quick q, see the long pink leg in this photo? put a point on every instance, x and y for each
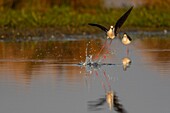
(127, 51)
(104, 57)
(101, 50)
(109, 44)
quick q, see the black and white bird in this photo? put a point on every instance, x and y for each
(126, 40)
(113, 31)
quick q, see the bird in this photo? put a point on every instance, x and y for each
(113, 31)
(126, 40)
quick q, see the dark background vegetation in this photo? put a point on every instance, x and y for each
(73, 15)
(43, 5)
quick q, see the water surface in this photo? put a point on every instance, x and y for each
(44, 76)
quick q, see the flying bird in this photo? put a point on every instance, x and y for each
(113, 31)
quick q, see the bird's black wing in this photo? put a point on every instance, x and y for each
(97, 103)
(100, 26)
(121, 20)
(129, 37)
(118, 106)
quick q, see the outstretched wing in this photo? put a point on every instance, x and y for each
(100, 26)
(121, 20)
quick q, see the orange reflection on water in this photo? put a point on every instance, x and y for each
(156, 51)
(55, 50)
(22, 61)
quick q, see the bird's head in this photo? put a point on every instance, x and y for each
(127, 36)
(111, 27)
(124, 35)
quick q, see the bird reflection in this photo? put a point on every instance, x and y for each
(94, 105)
(111, 99)
(126, 62)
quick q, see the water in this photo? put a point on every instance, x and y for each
(44, 76)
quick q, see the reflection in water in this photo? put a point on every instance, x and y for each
(50, 69)
(91, 65)
(155, 51)
(126, 62)
(58, 50)
(111, 99)
(26, 61)
(22, 58)
(110, 96)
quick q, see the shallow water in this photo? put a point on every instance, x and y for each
(44, 76)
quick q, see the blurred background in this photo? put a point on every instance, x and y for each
(46, 4)
(72, 16)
